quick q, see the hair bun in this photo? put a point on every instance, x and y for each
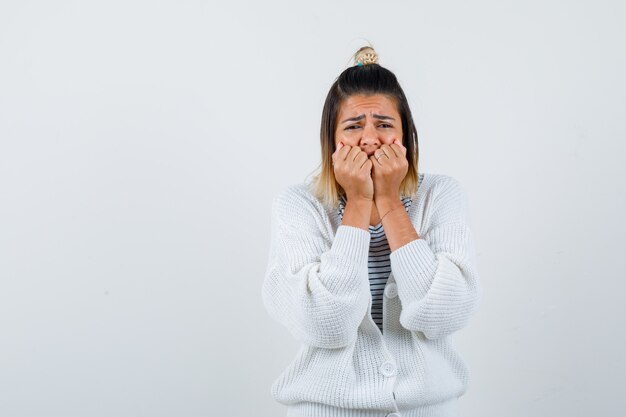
(365, 55)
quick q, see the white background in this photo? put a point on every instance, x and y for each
(141, 143)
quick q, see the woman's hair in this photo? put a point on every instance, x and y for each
(367, 77)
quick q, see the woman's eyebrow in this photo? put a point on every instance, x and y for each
(377, 116)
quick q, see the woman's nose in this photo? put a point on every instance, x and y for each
(369, 135)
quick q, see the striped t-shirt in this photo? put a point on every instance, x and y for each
(378, 262)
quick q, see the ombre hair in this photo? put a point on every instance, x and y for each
(368, 79)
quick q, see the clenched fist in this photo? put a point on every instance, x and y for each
(353, 171)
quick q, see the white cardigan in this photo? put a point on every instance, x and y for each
(316, 285)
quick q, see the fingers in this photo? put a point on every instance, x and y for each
(346, 153)
(367, 166)
(338, 154)
(357, 157)
(343, 152)
(361, 159)
(375, 160)
(355, 154)
(395, 149)
(398, 147)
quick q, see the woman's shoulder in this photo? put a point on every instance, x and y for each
(298, 193)
(438, 178)
(446, 196)
(437, 183)
(296, 199)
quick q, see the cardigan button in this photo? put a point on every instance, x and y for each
(391, 290)
(394, 415)
(388, 369)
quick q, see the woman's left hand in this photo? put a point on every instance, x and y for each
(389, 171)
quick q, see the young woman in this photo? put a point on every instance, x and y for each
(371, 264)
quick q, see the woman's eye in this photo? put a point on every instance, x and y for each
(384, 125)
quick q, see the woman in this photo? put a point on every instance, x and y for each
(371, 265)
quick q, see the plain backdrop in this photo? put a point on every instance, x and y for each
(141, 143)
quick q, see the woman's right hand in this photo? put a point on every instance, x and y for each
(353, 171)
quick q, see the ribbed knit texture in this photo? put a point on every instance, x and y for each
(317, 286)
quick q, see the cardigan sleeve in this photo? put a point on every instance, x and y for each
(436, 275)
(315, 285)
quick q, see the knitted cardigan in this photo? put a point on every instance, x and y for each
(316, 285)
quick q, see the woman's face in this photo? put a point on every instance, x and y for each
(368, 122)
